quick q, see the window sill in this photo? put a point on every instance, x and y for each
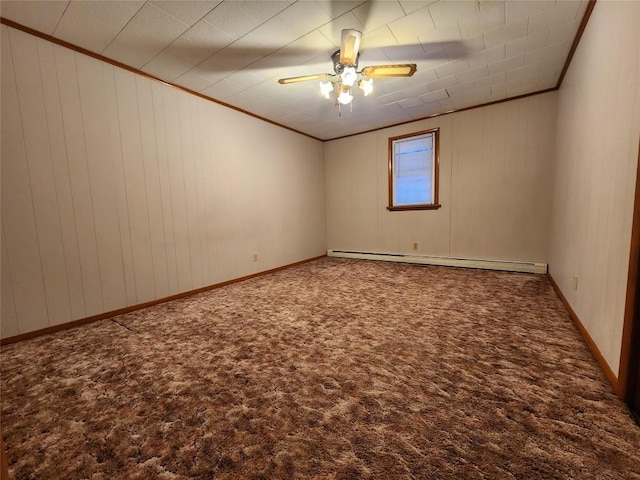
(431, 206)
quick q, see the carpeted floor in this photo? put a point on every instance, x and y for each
(335, 369)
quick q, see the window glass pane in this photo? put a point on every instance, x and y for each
(414, 144)
(413, 171)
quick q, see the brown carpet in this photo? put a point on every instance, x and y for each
(335, 369)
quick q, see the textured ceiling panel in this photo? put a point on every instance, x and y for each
(40, 15)
(467, 52)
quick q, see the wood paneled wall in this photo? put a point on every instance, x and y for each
(495, 186)
(595, 173)
(118, 190)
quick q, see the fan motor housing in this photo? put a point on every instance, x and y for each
(338, 66)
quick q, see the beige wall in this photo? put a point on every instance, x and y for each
(596, 160)
(117, 189)
(494, 186)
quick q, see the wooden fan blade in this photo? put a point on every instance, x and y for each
(349, 46)
(381, 71)
(303, 78)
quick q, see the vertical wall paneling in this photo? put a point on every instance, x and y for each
(497, 174)
(169, 245)
(502, 162)
(152, 185)
(594, 178)
(223, 177)
(41, 177)
(198, 160)
(357, 226)
(399, 232)
(61, 182)
(205, 127)
(117, 189)
(190, 185)
(177, 189)
(494, 187)
(9, 323)
(219, 258)
(469, 184)
(101, 178)
(19, 222)
(135, 187)
(119, 184)
(79, 179)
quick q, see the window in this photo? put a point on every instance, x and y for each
(413, 171)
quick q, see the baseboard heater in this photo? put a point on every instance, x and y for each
(524, 267)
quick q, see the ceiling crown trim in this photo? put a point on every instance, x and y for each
(115, 63)
(12, 24)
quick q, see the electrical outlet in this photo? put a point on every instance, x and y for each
(575, 282)
(255, 257)
(415, 246)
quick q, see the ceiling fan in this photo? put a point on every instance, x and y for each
(346, 74)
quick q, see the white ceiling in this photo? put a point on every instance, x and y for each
(468, 52)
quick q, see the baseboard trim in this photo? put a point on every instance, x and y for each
(522, 267)
(595, 351)
(132, 308)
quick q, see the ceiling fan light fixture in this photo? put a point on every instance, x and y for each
(380, 71)
(345, 96)
(349, 76)
(349, 46)
(326, 88)
(305, 78)
(346, 74)
(366, 85)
